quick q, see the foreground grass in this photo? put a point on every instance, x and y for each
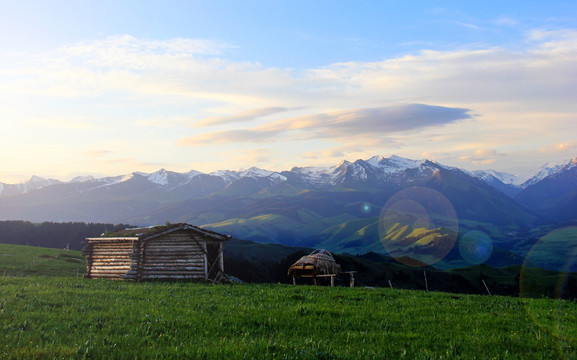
(42, 317)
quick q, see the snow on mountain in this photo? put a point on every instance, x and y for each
(26, 186)
(545, 171)
(493, 177)
(375, 170)
(227, 175)
(348, 172)
(160, 177)
(35, 183)
(393, 164)
(315, 175)
(127, 177)
(166, 178)
(254, 172)
(490, 175)
(193, 173)
(82, 179)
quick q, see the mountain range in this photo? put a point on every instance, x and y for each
(337, 207)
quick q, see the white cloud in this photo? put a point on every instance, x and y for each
(246, 115)
(518, 99)
(347, 125)
(481, 156)
(507, 21)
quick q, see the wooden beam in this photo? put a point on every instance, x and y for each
(205, 260)
(220, 257)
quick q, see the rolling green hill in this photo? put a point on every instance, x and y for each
(21, 260)
(268, 263)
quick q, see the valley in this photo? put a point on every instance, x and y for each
(343, 208)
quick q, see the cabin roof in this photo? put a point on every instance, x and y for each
(145, 233)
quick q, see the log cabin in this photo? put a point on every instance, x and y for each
(170, 252)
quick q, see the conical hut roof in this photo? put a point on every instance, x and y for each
(319, 262)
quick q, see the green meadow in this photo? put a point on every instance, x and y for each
(49, 311)
(76, 318)
(20, 260)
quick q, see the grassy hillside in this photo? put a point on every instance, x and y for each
(268, 263)
(21, 260)
(97, 319)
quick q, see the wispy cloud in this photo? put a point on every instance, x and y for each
(230, 136)
(250, 156)
(481, 156)
(171, 91)
(96, 153)
(348, 124)
(506, 21)
(243, 116)
(567, 147)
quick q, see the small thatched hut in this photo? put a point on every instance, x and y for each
(319, 262)
(171, 252)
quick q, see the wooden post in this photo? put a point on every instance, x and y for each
(426, 284)
(220, 257)
(332, 281)
(294, 280)
(486, 287)
(391, 285)
(352, 278)
(315, 281)
(205, 261)
(141, 258)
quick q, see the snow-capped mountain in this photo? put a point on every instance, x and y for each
(492, 175)
(33, 183)
(334, 207)
(545, 171)
(508, 184)
(555, 193)
(514, 184)
(376, 172)
(169, 178)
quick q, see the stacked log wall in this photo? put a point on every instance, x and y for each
(109, 259)
(179, 255)
(174, 256)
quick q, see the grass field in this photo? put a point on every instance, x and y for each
(75, 318)
(20, 260)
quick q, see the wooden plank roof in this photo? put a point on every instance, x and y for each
(146, 233)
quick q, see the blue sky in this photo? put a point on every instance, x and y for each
(112, 87)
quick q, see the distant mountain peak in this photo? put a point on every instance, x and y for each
(81, 179)
(33, 179)
(159, 177)
(127, 177)
(545, 171)
(344, 163)
(369, 173)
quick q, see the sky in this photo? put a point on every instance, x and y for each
(107, 88)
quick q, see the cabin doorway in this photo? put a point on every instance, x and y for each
(214, 260)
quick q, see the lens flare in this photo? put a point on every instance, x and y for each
(555, 251)
(366, 208)
(418, 226)
(476, 247)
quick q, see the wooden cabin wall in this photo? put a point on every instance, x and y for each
(173, 256)
(108, 259)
